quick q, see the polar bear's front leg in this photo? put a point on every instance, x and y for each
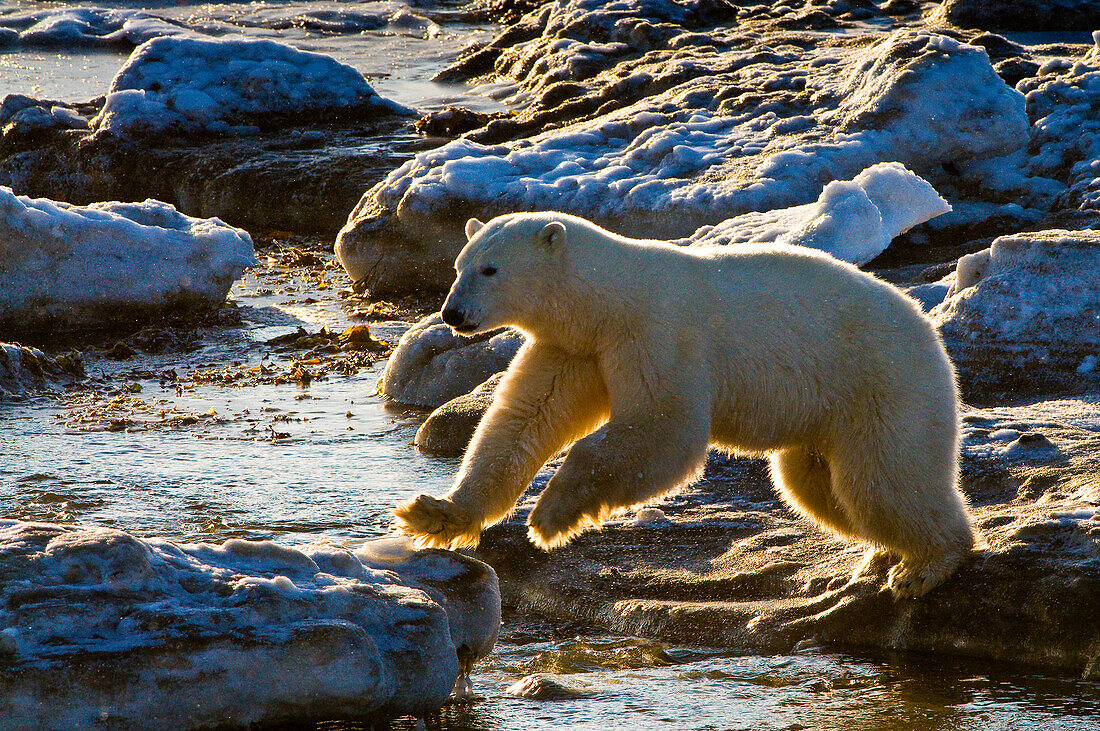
(630, 460)
(547, 399)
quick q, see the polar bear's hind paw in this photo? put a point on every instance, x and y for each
(911, 578)
(436, 523)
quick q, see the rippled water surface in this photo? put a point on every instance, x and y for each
(327, 460)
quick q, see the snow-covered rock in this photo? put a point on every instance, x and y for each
(21, 114)
(852, 220)
(1064, 106)
(228, 86)
(25, 369)
(433, 364)
(88, 265)
(1027, 306)
(747, 131)
(102, 629)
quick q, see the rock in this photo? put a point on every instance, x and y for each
(433, 364)
(661, 146)
(542, 687)
(175, 85)
(103, 628)
(70, 266)
(1023, 313)
(24, 369)
(733, 567)
(1022, 15)
(448, 430)
(76, 27)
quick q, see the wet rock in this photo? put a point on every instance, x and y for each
(433, 364)
(448, 430)
(1022, 314)
(683, 137)
(24, 369)
(452, 122)
(1022, 15)
(734, 567)
(103, 628)
(76, 267)
(542, 687)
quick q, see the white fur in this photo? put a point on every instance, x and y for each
(757, 349)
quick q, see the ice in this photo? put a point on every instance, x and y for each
(84, 265)
(698, 154)
(102, 629)
(1064, 104)
(1040, 289)
(225, 85)
(852, 220)
(68, 27)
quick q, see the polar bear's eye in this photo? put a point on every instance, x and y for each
(489, 271)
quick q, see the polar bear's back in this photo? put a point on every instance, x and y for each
(814, 338)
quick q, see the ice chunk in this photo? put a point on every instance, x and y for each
(104, 629)
(852, 220)
(83, 265)
(189, 85)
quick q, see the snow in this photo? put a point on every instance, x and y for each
(916, 96)
(74, 262)
(106, 629)
(1040, 289)
(1064, 103)
(189, 85)
(852, 220)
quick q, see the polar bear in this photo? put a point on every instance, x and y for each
(642, 354)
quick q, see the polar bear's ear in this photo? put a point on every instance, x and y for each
(472, 227)
(552, 235)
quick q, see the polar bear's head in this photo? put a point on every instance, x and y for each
(503, 271)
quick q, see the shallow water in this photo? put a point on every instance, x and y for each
(327, 460)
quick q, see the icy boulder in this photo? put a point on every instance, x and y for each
(1025, 308)
(99, 629)
(852, 220)
(228, 85)
(433, 364)
(88, 265)
(754, 130)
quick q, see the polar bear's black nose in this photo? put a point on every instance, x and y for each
(454, 318)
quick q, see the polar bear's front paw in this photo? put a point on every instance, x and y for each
(913, 578)
(437, 523)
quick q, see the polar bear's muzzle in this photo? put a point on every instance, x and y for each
(457, 320)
